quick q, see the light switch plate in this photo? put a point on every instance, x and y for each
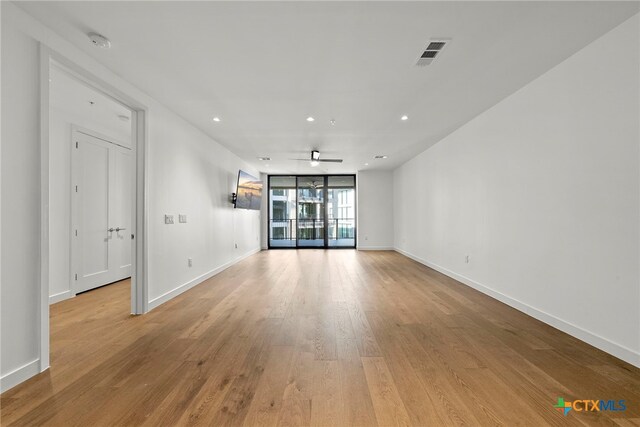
(182, 218)
(168, 219)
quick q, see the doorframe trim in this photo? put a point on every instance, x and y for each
(139, 147)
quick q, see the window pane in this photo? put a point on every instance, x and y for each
(282, 182)
(312, 211)
(342, 181)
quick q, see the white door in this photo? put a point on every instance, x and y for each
(101, 224)
(121, 238)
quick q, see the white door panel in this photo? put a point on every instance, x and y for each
(94, 214)
(122, 216)
(102, 181)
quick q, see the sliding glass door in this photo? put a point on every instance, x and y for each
(312, 211)
(311, 207)
(341, 204)
(282, 212)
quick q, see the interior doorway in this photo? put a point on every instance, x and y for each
(91, 171)
(81, 111)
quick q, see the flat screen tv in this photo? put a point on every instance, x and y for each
(249, 192)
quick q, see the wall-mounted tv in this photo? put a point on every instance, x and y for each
(248, 192)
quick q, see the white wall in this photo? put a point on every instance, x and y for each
(20, 152)
(193, 175)
(188, 173)
(542, 192)
(375, 210)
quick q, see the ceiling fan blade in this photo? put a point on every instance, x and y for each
(320, 160)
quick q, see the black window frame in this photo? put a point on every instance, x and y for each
(326, 213)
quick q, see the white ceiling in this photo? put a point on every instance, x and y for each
(263, 67)
(87, 107)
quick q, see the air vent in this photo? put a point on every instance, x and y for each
(436, 45)
(264, 158)
(380, 157)
(429, 54)
(433, 49)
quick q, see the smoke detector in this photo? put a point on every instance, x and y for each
(99, 40)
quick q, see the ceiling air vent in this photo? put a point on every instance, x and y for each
(429, 54)
(433, 49)
(436, 45)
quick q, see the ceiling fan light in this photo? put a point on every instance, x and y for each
(315, 155)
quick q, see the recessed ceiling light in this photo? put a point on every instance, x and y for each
(310, 119)
(99, 40)
(404, 118)
(216, 119)
(366, 164)
(380, 157)
(264, 158)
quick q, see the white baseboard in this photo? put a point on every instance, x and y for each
(190, 284)
(617, 350)
(375, 248)
(60, 297)
(18, 375)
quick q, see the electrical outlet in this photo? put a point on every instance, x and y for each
(190, 262)
(182, 218)
(168, 219)
(236, 245)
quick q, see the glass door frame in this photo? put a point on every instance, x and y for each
(325, 196)
(324, 213)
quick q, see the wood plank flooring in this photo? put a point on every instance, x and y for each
(320, 338)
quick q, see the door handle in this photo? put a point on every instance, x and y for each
(120, 229)
(110, 230)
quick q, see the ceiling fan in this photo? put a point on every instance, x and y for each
(315, 159)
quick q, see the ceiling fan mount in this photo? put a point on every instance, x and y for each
(316, 160)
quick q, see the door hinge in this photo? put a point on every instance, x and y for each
(76, 144)
(76, 276)
(76, 233)
(76, 188)
(132, 237)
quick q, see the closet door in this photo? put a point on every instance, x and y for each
(101, 215)
(122, 199)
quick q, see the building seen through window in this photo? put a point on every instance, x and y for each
(312, 211)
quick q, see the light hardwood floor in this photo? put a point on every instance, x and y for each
(315, 337)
